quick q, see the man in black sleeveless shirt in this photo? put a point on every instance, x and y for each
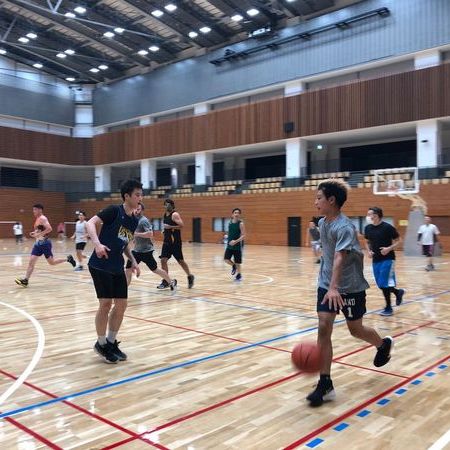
(172, 245)
(118, 224)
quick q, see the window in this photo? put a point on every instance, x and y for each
(220, 224)
(16, 177)
(156, 224)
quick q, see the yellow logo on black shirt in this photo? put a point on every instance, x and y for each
(125, 234)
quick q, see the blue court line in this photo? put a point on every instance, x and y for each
(153, 373)
(383, 401)
(401, 391)
(363, 413)
(416, 382)
(430, 374)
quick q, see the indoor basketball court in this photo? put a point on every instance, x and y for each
(228, 118)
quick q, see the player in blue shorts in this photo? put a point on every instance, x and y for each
(381, 240)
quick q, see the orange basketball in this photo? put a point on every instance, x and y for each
(306, 357)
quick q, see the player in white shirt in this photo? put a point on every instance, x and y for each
(80, 236)
(18, 232)
(428, 237)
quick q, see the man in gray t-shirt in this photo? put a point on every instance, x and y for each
(341, 286)
(143, 249)
(336, 236)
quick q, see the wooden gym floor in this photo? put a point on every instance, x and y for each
(209, 368)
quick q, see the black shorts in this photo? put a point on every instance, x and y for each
(168, 250)
(427, 250)
(80, 245)
(236, 254)
(355, 304)
(109, 285)
(146, 257)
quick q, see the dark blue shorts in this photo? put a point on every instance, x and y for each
(355, 304)
(43, 248)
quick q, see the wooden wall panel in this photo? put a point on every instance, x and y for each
(266, 215)
(44, 147)
(403, 97)
(17, 204)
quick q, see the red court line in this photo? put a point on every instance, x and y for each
(87, 412)
(204, 333)
(208, 408)
(371, 369)
(33, 433)
(352, 411)
(238, 397)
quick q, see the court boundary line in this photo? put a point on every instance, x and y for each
(36, 356)
(353, 410)
(441, 442)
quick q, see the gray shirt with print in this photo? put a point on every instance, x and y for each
(143, 245)
(340, 235)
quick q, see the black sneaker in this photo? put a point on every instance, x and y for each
(164, 285)
(233, 269)
(106, 352)
(318, 261)
(399, 297)
(190, 281)
(173, 284)
(121, 356)
(71, 260)
(238, 277)
(21, 282)
(324, 392)
(383, 352)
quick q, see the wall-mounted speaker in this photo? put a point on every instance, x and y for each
(288, 127)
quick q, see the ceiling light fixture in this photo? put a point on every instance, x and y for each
(108, 34)
(38, 65)
(80, 9)
(94, 70)
(24, 40)
(70, 15)
(31, 35)
(70, 79)
(69, 51)
(153, 48)
(170, 7)
(252, 12)
(236, 18)
(119, 30)
(103, 67)
(157, 13)
(205, 30)
(2, 51)
(61, 55)
(193, 34)
(142, 52)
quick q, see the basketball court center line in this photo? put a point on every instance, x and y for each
(234, 399)
(33, 433)
(83, 410)
(441, 442)
(352, 411)
(34, 360)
